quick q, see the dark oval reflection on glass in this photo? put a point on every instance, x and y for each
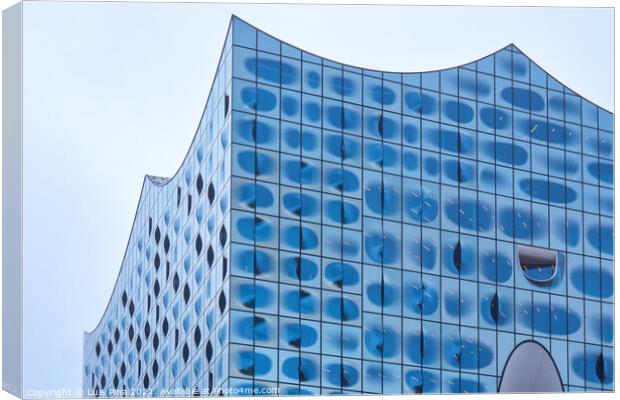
(421, 298)
(467, 353)
(301, 237)
(520, 67)
(341, 274)
(255, 163)
(312, 111)
(342, 212)
(488, 175)
(382, 248)
(455, 305)
(421, 206)
(342, 117)
(382, 199)
(523, 98)
(342, 375)
(300, 301)
(342, 180)
(459, 171)
(296, 139)
(252, 296)
(602, 171)
(603, 328)
(254, 328)
(314, 79)
(449, 139)
(309, 141)
(496, 309)
(550, 319)
(453, 142)
(496, 268)
(270, 70)
(256, 262)
(411, 160)
(607, 234)
(342, 309)
(517, 223)
(382, 95)
(254, 228)
(544, 131)
(458, 111)
(301, 205)
(421, 381)
(431, 165)
(548, 190)
(290, 105)
(348, 247)
(411, 133)
(258, 99)
(343, 147)
(381, 342)
(571, 166)
(348, 341)
(592, 274)
(469, 215)
(421, 349)
(300, 172)
(507, 153)
(299, 335)
(292, 137)
(342, 85)
(256, 131)
(381, 156)
(594, 367)
(381, 294)
(255, 195)
(300, 369)
(494, 118)
(383, 126)
(300, 268)
(420, 103)
(252, 363)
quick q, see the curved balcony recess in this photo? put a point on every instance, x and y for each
(538, 264)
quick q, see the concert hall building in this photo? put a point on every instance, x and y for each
(335, 229)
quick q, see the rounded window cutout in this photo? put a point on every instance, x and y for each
(537, 264)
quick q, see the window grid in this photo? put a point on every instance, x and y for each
(371, 223)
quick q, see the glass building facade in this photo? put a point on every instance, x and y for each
(334, 229)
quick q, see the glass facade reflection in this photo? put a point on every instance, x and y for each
(342, 230)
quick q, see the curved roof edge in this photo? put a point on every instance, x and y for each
(146, 182)
(510, 46)
(161, 182)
